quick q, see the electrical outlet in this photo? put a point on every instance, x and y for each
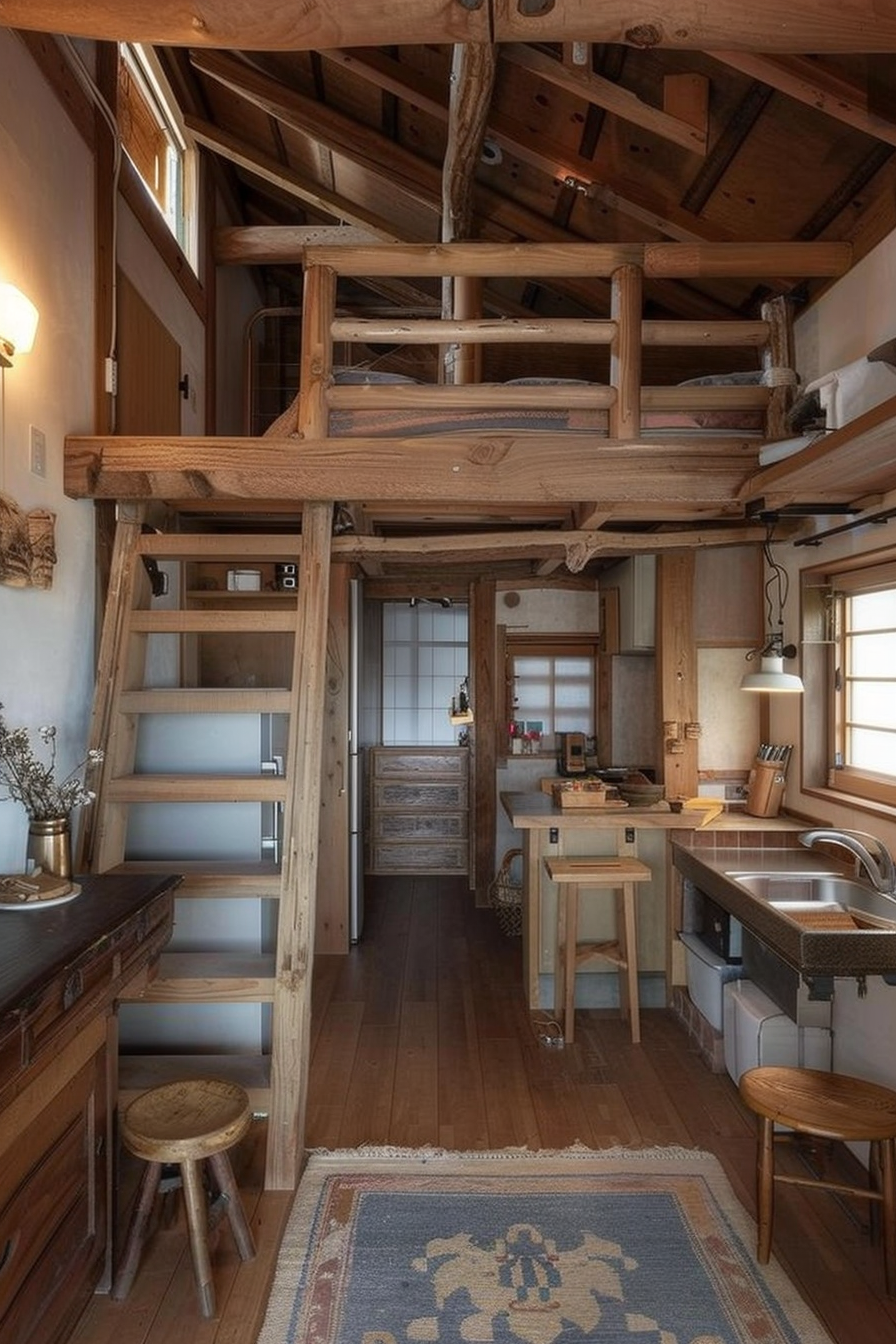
(38, 451)
(553, 835)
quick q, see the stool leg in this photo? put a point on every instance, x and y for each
(765, 1187)
(560, 958)
(888, 1190)
(130, 1260)
(223, 1172)
(197, 1220)
(569, 959)
(628, 973)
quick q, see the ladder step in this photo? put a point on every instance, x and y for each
(204, 878)
(197, 700)
(212, 977)
(197, 789)
(219, 546)
(137, 1073)
(206, 620)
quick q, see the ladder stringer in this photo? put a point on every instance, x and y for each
(295, 935)
(128, 584)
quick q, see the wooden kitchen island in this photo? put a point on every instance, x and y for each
(636, 832)
(62, 971)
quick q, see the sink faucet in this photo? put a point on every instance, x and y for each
(879, 866)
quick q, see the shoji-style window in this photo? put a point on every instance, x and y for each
(425, 657)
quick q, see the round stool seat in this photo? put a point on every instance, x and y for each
(829, 1105)
(186, 1121)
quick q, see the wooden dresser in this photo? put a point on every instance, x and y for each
(61, 971)
(418, 818)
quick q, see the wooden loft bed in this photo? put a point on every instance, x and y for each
(598, 445)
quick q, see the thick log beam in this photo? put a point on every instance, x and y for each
(477, 468)
(802, 25)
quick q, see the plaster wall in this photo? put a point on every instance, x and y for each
(46, 248)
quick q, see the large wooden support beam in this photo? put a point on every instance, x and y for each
(290, 1046)
(676, 673)
(498, 469)
(803, 25)
(668, 261)
(483, 668)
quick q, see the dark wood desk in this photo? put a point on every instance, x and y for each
(62, 970)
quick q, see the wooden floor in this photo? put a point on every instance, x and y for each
(420, 1037)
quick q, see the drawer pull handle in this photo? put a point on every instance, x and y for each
(74, 988)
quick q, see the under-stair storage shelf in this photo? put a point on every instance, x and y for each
(419, 811)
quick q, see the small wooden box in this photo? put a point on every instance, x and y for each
(590, 795)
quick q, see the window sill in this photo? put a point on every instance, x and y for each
(852, 800)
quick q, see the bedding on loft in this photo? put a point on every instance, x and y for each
(416, 419)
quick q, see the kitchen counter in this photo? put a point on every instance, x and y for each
(816, 954)
(62, 970)
(644, 833)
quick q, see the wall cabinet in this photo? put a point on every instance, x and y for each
(635, 578)
(418, 815)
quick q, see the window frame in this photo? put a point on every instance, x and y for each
(826, 590)
(549, 645)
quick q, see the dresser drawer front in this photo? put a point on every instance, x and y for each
(420, 826)
(405, 796)
(419, 858)
(389, 763)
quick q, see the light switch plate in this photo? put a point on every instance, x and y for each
(38, 451)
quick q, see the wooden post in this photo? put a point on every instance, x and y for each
(676, 673)
(301, 828)
(625, 353)
(484, 755)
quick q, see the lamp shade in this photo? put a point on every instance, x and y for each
(18, 323)
(772, 677)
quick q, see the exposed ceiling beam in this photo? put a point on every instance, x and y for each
(805, 80)
(801, 25)
(611, 97)
(472, 81)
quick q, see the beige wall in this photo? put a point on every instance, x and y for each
(46, 248)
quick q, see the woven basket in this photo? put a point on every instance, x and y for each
(506, 894)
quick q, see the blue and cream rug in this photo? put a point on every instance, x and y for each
(430, 1247)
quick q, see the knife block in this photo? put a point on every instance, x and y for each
(765, 788)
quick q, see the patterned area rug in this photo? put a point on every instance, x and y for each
(429, 1247)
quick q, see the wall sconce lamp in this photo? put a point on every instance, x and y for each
(461, 710)
(18, 323)
(771, 675)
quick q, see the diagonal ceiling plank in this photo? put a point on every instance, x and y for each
(611, 97)
(809, 83)
(262, 165)
(404, 171)
(801, 25)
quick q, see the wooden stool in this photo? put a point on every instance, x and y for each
(619, 874)
(185, 1123)
(829, 1106)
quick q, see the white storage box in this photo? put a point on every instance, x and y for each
(707, 974)
(757, 1032)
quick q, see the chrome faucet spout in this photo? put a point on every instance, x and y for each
(878, 865)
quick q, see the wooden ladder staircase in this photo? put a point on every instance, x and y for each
(276, 1082)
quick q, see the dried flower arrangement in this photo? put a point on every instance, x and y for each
(32, 783)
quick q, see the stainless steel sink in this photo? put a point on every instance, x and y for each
(818, 891)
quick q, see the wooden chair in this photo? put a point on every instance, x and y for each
(828, 1106)
(606, 874)
(186, 1123)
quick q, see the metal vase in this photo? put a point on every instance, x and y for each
(50, 845)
